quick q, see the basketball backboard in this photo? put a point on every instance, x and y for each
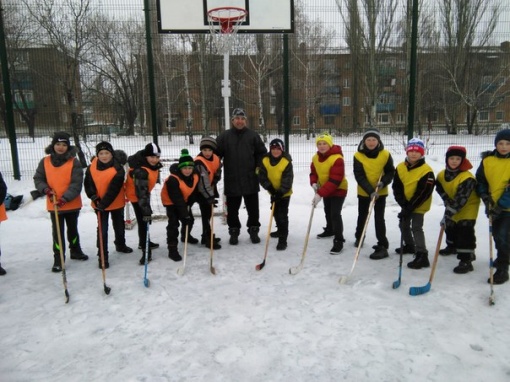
(264, 16)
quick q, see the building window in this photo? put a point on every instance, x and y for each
(383, 118)
(296, 120)
(347, 83)
(400, 118)
(346, 101)
(483, 116)
(329, 119)
(499, 115)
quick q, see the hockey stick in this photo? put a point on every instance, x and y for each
(416, 291)
(211, 266)
(258, 267)
(180, 270)
(61, 250)
(492, 298)
(396, 283)
(146, 281)
(107, 289)
(297, 269)
(343, 279)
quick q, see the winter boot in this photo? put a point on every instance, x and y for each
(234, 236)
(151, 245)
(379, 253)
(57, 265)
(448, 250)
(149, 258)
(123, 248)
(421, 260)
(77, 254)
(275, 234)
(356, 242)
(327, 233)
(338, 246)
(463, 267)
(254, 234)
(173, 252)
(282, 243)
(206, 240)
(106, 263)
(500, 277)
(2, 271)
(407, 249)
(191, 239)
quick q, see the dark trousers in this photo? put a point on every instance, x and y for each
(118, 228)
(70, 219)
(501, 235)
(380, 223)
(333, 211)
(142, 226)
(172, 227)
(252, 207)
(206, 212)
(411, 229)
(281, 216)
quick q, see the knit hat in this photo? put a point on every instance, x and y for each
(152, 149)
(61, 136)
(502, 135)
(459, 151)
(208, 143)
(238, 112)
(326, 138)
(185, 160)
(416, 144)
(104, 146)
(372, 133)
(278, 143)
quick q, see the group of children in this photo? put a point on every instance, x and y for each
(108, 184)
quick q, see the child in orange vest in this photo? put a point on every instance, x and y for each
(104, 185)
(59, 176)
(3, 214)
(143, 175)
(177, 195)
(208, 166)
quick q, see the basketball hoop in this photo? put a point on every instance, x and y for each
(224, 22)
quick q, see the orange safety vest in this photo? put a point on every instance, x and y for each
(59, 179)
(212, 166)
(130, 183)
(102, 180)
(3, 214)
(185, 189)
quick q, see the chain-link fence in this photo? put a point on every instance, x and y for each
(82, 66)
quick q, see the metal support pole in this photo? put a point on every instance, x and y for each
(412, 71)
(150, 71)
(225, 90)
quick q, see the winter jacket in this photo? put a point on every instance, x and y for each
(179, 190)
(210, 174)
(104, 184)
(3, 194)
(64, 175)
(457, 189)
(328, 171)
(413, 186)
(242, 152)
(368, 167)
(277, 174)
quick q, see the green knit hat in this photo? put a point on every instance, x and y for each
(186, 160)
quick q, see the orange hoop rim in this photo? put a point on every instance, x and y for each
(225, 19)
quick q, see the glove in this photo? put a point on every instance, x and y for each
(61, 202)
(495, 211)
(187, 222)
(315, 187)
(380, 185)
(276, 196)
(374, 195)
(147, 218)
(446, 221)
(211, 201)
(404, 214)
(99, 206)
(49, 192)
(271, 190)
(316, 200)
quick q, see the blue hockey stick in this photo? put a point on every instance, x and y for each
(146, 281)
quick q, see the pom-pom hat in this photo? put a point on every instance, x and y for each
(326, 138)
(277, 143)
(208, 143)
(185, 159)
(152, 149)
(61, 136)
(416, 144)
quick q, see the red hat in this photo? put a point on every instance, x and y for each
(459, 151)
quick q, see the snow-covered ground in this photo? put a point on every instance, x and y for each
(243, 324)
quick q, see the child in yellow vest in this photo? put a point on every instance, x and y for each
(59, 176)
(3, 214)
(104, 185)
(412, 187)
(276, 175)
(327, 178)
(456, 185)
(177, 195)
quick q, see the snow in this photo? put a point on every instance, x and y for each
(243, 324)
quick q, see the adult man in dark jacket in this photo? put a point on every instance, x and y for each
(242, 150)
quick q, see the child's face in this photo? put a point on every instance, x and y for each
(371, 143)
(322, 147)
(104, 156)
(207, 152)
(187, 170)
(503, 147)
(152, 160)
(454, 161)
(60, 147)
(276, 152)
(413, 156)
